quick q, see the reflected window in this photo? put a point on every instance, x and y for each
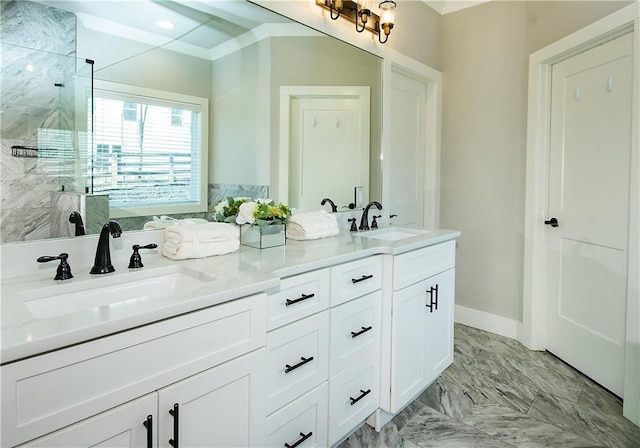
(149, 150)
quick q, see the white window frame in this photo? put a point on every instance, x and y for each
(201, 204)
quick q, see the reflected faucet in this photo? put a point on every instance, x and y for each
(364, 221)
(76, 218)
(334, 209)
(102, 263)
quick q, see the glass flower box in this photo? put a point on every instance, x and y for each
(262, 237)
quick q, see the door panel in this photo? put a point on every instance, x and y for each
(329, 151)
(590, 150)
(408, 140)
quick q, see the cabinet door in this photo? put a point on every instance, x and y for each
(408, 354)
(128, 425)
(220, 407)
(422, 336)
(439, 324)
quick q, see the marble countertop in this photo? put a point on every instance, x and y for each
(245, 272)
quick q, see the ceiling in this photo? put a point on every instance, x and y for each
(449, 6)
(200, 24)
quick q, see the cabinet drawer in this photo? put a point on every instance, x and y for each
(417, 265)
(353, 396)
(355, 279)
(299, 296)
(297, 359)
(355, 331)
(47, 392)
(305, 418)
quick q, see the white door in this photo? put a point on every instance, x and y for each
(408, 143)
(589, 197)
(329, 152)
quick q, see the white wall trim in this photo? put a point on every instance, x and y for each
(534, 281)
(493, 323)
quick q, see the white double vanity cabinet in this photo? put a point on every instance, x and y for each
(296, 347)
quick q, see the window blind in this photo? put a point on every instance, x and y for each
(142, 154)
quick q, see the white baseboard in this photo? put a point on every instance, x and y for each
(493, 323)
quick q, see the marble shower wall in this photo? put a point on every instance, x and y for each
(38, 51)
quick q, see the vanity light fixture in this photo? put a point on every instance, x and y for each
(359, 13)
(387, 19)
(335, 5)
(362, 14)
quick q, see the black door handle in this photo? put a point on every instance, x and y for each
(553, 222)
(176, 425)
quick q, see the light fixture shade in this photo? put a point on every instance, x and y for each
(387, 12)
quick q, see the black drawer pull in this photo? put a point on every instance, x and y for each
(148, 423)
(302, 438)
(355, 334)
(300, 364)
(300, 299)
(363, 393)
(364, 277)
(433, 299)
(176, 426)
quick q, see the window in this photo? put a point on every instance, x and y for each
(150, 150)
(176, 117)
(130, 111)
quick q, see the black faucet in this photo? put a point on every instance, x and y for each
(102, 263)
(76, 218)
(333, 205)
(364, 221)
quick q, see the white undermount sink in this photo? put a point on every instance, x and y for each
(148, 284)
(393, 233)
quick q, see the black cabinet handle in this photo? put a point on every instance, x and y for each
(302, 438)
(300, 364)
(364, 277)
(355, 334)
(363, 393)
(148, 423)
(300, 299)
(433, 299)
(174, 442)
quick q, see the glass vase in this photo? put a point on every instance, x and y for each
(262, 237)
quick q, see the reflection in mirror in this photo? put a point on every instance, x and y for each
(233, 55)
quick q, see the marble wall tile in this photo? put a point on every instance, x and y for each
(37, 26)
(219, 192)
(38, 50)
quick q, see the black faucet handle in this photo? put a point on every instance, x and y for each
(135, 261)
(64, 270)
(374, 223)
(354, 228)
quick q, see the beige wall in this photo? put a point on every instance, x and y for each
(322, 61)
(417, 32)
(484, 55)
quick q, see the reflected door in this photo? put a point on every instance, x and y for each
(589, 197)
(329, 151)
(408, 144)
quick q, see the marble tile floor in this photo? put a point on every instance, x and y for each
(499, 394)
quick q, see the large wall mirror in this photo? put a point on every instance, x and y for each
(218, 71)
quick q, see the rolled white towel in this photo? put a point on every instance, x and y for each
(202, 233)
(182, 250)
(312, 226)
(163, 222)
